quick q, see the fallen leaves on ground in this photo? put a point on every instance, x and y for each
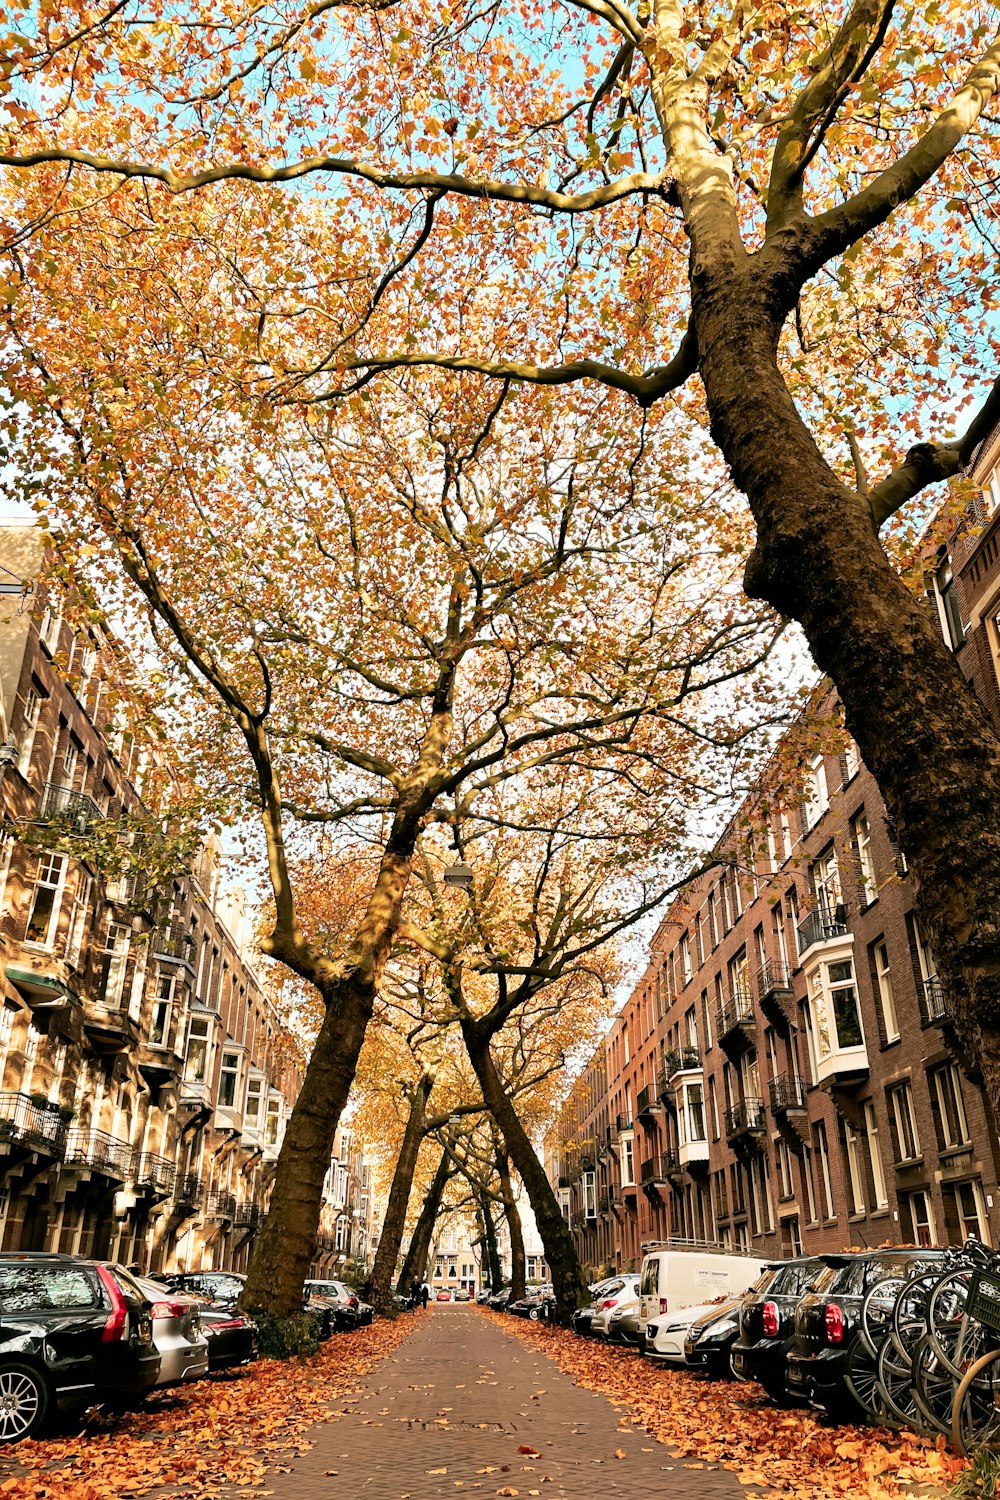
(208, 1438)
(736, 1427)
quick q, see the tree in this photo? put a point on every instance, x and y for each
(379, 1285)
(723, 207)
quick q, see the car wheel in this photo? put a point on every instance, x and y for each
(533, 1314)
(24, 1402)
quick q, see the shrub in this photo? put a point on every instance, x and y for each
(284, 1338)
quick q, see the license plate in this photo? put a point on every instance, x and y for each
(737, 1361)
(794, 1375)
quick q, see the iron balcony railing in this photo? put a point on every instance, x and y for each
(787, 1093)
(736, 1012)
(681, 1060)
(645, 1102)
(247, 1216)
(102, 1152)
(30, 1123)
(156, 1172)
(188, 1190)
(221, 1205)
(773, 978)
(623, 1122)
(657, 1168)
(587, 1159)
(822, 925)
(62, 803)
(172, 945)
(745, 1118)
(935, 1001)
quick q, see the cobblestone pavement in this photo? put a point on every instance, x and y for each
(449, 1410)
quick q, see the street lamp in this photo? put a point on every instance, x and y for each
(459, 875)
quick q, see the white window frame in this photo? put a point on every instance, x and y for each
(875, 1157)
(817, 792)
(901, 1099)
(200, 1030)
(866, 862)
(32, 714)
(56, 882)
(117, 949)
(855, 1175)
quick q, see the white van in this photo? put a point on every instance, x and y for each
(672, 1279)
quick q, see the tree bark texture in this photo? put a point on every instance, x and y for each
(571, 1290)
(285, 1246)
(378, 1288)
(920, 729)
(513, 1217)
(415, 1264)
(494, 1270)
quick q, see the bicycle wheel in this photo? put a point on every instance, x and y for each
(934, 1385)
(909, 1316)
(861, 1381)
(895, 1384)
(958, 1340)
(877, 1310)
(975, 1417)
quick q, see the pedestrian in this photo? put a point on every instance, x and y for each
(425, 1292)
(414, 1292)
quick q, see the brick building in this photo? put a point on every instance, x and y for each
(144, 1076)
(783, 1075)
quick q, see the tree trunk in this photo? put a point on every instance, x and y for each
(494, 1270)
(284, 1249)
(378, 1287)
(922, 732)
(513, 1229)
(415, 1264)
(571, 1290)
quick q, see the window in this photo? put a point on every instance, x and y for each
(713, 919)
(967, 1201)
(627, 1160)
(883, 988)
(714, 1102)
(855, 1179)
(823, 1164)
(903, 1123)
(78, 921)
(786, 836)
(807, 1178)
(826, 885)
(229, 1079)
(772, 847)
(272, 1124)
(71, 759)
(916, 1208)
(254, 1105)
(866, 865)
(783, 1156)
(198, 1049)
(852, 760)
(685, 958)
(695, 1111)
(116, 952)
(875, 1157)
(948, 1107)
(817, 795)
(32, 711)
(26, 1288)
(587, 1183)
(48, 630)
(46, 901)
(163, 1000)
(946, 597)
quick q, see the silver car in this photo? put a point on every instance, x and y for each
(623, 1324)
(177, 1333)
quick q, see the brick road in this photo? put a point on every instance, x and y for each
(448, 1411)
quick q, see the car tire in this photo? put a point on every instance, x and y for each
(24, 1401)
(534, 1314)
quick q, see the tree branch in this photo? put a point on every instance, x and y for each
(927, 463)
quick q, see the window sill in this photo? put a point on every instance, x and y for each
(892, 1042)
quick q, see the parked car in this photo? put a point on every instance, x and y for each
(531, 1304)
(673, 1279)
(828, 1359)
(623, 1324)
(498, 1300)
(583, 1317)
(665, 1336)
(443, 1295)
(767, 1324)
(73, 1333)
(177, 1333)
(223, 1287)
(460, 1294)
(484, 1294)
(341, 1301)
(624, 1289)
(710, 1340)
(232, 1336)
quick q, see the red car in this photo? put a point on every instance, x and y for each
(443, 1297)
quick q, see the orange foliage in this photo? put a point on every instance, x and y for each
(784, 1452)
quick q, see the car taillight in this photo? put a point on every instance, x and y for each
(834, 1319)
(169, 1309)
(608, 1302)
(352, 1302)
(663, 1304)
(770, 1319)
(115, 1326)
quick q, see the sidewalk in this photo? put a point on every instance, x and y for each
(448, 1412)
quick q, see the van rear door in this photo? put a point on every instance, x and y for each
(648, 1305)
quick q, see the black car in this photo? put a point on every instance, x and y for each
(73, 1333)
(223, 1287)
(231, 1334)
(828, 1363)
(767, 1323)
(498, 1301)
(710, 1340)
(531, 1305)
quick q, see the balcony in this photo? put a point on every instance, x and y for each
(823, 925)
(656, 1169)
(681, 1060)
(247, 1216)
(623, 1122)
(157, 1173)
(745, 1120)
(736, 1020)
(693, 1155)
(171, 947)
(221, 1206)
(935, 1003)
(44, 983)
(60, 804)
(188, 1191)
(101, 1153)
(774, 982)
(159, 1065)
(787, 1094)
(605, 1202)
(35, 1126)
(647, 1104)
(109, 1029)
(587, 1159)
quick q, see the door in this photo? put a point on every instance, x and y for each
(56, 1311)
